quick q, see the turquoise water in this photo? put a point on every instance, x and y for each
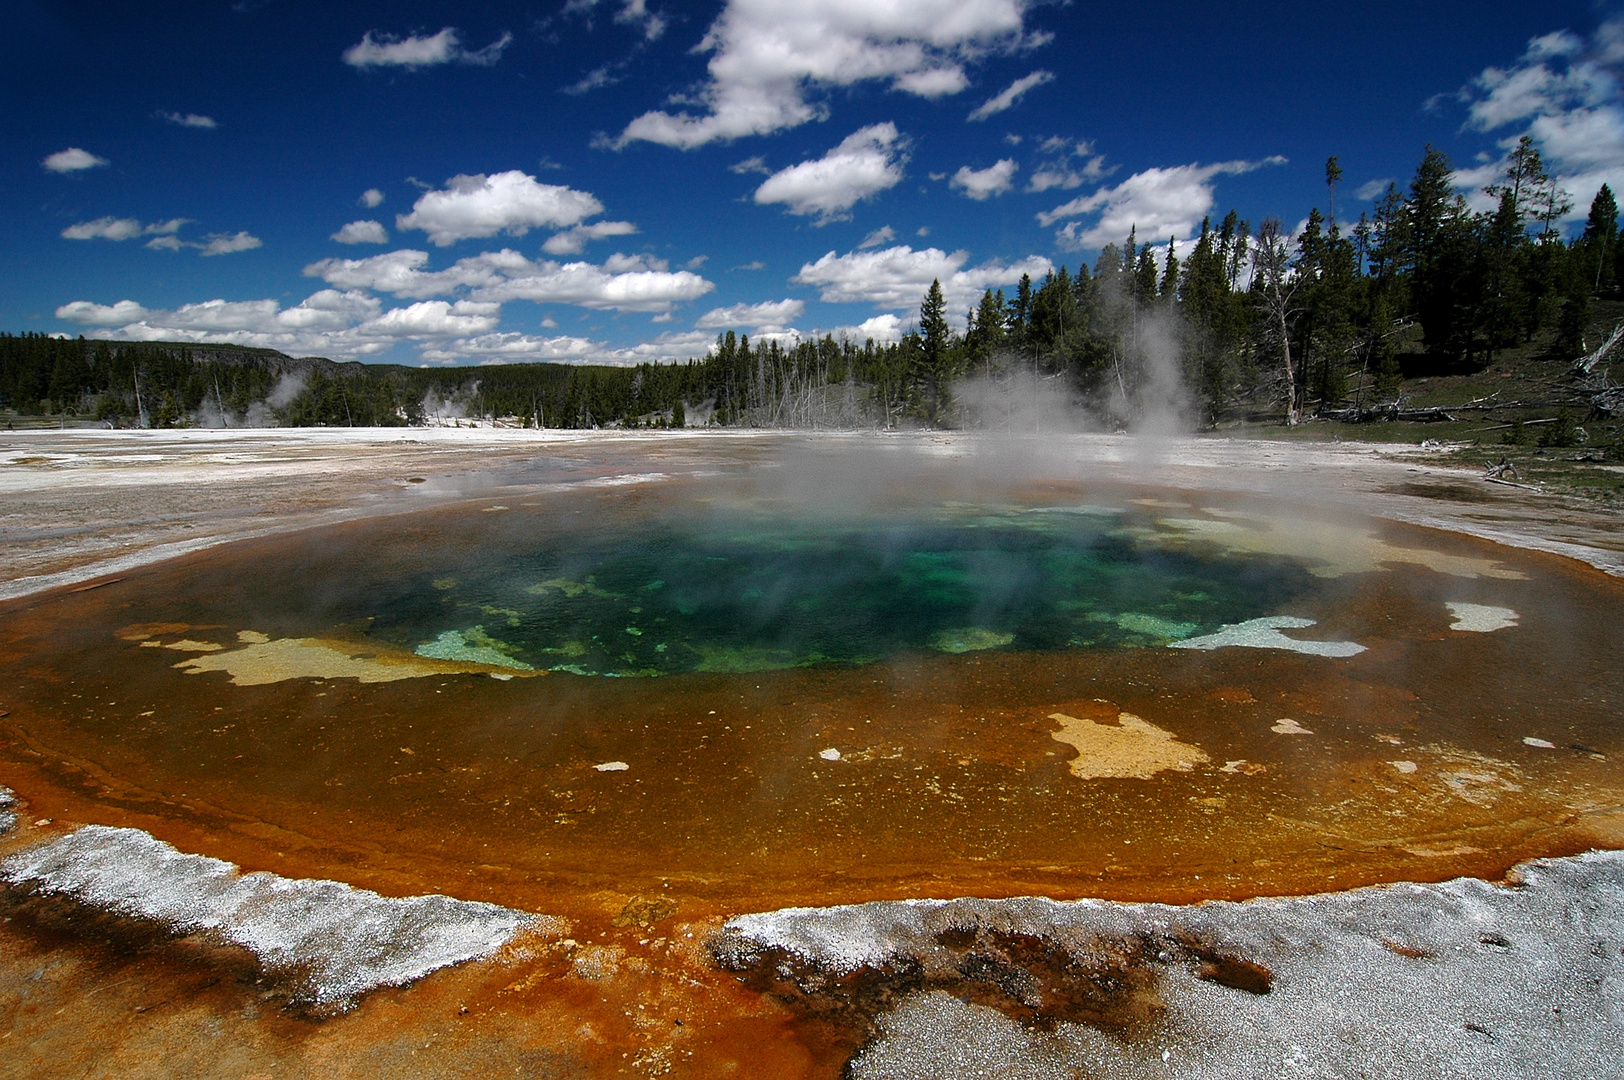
(739, 592)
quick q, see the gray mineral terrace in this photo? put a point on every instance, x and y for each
(332, 941)
(1459, 979)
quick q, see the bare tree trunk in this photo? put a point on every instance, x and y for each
(1271, 261)
(1293, 413)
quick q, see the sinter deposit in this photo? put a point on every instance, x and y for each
(338, 941)
(1460, 979)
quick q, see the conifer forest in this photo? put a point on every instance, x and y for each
(1258, 320)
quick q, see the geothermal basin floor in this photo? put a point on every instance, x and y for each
(629, 968)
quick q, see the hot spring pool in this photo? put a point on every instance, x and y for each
(742, 589)
(731, 694)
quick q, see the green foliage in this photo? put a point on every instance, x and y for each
(1562, 432)
(1600, 242)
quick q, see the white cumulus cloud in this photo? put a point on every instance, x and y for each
(479, 206)
(191, 120)
(88, 314)
(512, 348)
(1372, 188)
(934, 82)
(865, 163)
(398, 272)
(766, 55)
(105, 228)
(1068, 165)
(111, 228)
(1012, 93)
(416, 51)
(619, 263)
(632, 13)
(897, 277)
(1156, 202)
(574, 241)
(665, 349)
(227, 243)
(604, 288)
(983, 184)
(772, 315)
(508, 348)
(436, 318)
(401, 272)
(342, 325)
(883, 235)
(371, 198)
(1564, 93)
(72, 159)
(884, 329)
(362, 232)
(622, 283)
(327, 323)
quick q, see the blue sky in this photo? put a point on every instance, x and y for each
(619, 180)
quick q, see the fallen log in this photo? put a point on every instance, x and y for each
(1509, 483)
(1586, 364)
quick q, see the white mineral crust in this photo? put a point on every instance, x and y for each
(339, 941)
(1460, 979)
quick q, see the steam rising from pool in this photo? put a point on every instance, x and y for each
(746, 588)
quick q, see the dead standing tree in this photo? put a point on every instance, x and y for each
(1275, 285)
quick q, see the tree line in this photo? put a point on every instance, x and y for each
(1331, 320)
(1251, 322)
(164, 385)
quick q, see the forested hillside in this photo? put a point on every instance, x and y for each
(1329, 319)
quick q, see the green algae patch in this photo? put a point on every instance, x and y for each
(969, 639)
(571, 589)
(472, 646)
(745, 660)
(1158, 630)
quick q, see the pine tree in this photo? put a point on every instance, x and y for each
(1523, 179)
(1233, 238)
(1551, 204)
(1434, 250)
(1389, 235)
(1170, 277)
(1504, 245)
(934, 340)
(1207, 305)
(1020, 315)
(986, 334)
(1055, 318)
(1144, 275)
(1600, 237)
(70, 376)
(1333, 177)
(1108, 267)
